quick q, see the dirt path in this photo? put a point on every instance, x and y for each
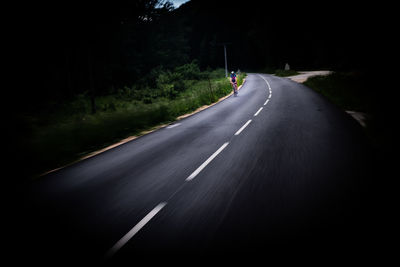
(304, 75)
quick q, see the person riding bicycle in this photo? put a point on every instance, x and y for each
(234, 82)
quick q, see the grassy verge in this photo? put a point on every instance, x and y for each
(352, 91)
(67, 134)
(285, 73)
(346, 90)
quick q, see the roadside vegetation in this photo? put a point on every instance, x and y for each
(345, 89)
(62, 134)
(285, 73)
(351, 91)
(276, 72)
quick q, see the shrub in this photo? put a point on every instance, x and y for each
(285, 73)
(189, 71)
(75, 131)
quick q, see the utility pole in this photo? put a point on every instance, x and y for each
(226, 58)
(226, 62)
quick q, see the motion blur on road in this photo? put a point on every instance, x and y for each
(278, 172)
(294, 178)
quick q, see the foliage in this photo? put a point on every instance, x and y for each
(72, 130)
(354, 91)
(131, 58)
(189, 71)
(347, 90)
(285, 73)
(97, 49)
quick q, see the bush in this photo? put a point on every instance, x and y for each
(349, 91)
(189, 71)
(285, 73)
(74, 131)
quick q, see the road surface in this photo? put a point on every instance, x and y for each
(275, 170)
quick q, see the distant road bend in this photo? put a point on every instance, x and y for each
(276, 168)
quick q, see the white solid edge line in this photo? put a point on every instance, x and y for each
(242, 128)
(266, 102)
(173, 125)
(135, 230)
(258, 111)
(205, 163)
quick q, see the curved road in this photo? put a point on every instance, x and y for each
(275, 170)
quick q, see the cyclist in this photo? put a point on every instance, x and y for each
(234, 82)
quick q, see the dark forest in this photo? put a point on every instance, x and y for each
(72, 48)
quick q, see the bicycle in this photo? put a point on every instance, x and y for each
(235, 89)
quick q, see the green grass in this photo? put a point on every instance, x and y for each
(285, 73)
(71, 131)
(352, 91)
(348, 90)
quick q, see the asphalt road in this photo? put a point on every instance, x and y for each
(296, 178)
